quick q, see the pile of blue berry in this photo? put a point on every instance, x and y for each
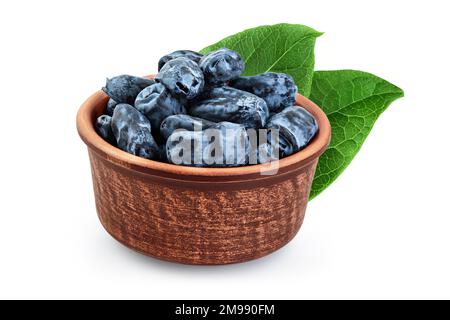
(192, 91)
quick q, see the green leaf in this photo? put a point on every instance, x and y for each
(285, 48)
(352, 100)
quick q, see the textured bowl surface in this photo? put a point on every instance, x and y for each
(199, 215)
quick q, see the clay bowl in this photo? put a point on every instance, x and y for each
(199, 215)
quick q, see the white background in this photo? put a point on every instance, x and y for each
(381, 231)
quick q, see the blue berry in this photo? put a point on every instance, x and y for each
(156, 103)
(133, 132)
(182, 77)
(103, 128)
(125, 88)
(277, 89)
(191, 55)
(232, 105)
(263, 154)
(235, 144)
(268, 151)
(296, 129)
(182, 121)
(185, 147)
(224, 144)
(110, 106)
(221, 66)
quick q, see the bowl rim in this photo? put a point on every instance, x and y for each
(86, 130)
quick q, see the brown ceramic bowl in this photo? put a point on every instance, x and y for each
(199, 215)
